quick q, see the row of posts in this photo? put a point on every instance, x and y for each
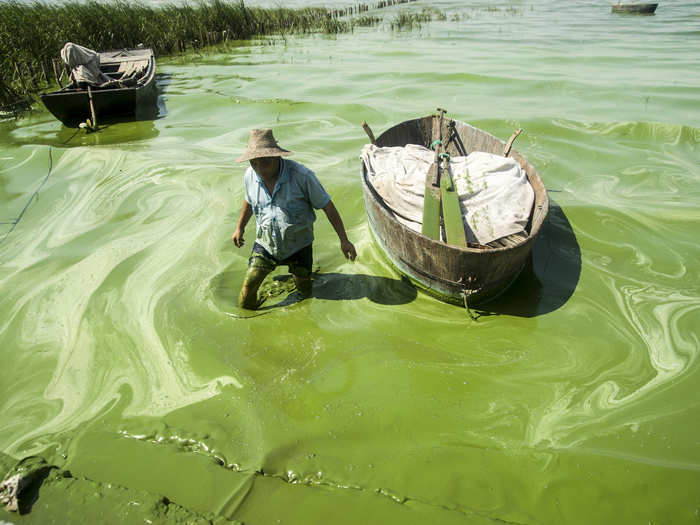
(216, 37)
(362, 8)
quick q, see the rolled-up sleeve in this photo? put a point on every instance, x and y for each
(318, 196)
(249, 187)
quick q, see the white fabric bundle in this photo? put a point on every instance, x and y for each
(84, 64)
(495, 196)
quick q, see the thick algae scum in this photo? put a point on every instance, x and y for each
(573, 399)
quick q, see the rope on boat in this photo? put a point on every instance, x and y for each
(465, 295)
(36, 192)
(71, 137)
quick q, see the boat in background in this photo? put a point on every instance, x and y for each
(634, 9)
(126, 84)
(467, 275)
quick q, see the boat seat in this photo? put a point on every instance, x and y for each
(132, 68)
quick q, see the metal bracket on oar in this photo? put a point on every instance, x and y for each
(438, 147)
(368, 130)
(509, 144)
(454, 136)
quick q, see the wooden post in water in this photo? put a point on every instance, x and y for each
(21, 78)
(32, 73)
(43, 70)
(55, 72)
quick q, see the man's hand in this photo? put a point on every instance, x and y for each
(246, 212)
(334, 218)
(238, 238)
(348, 249)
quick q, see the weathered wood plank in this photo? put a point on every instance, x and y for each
(431, 199)
(451, 211)
(431, 206)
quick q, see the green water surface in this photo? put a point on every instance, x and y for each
(573, 399)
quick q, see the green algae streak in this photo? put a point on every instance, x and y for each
(572, 399)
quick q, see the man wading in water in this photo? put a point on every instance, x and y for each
(283, 195)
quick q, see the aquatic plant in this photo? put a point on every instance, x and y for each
(366, 21)
(408, 20)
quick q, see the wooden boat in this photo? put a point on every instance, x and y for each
(461, 275)
(634, 9)
(71, 104)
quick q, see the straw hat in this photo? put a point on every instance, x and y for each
(262, 144)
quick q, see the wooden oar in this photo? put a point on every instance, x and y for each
(441, 198)
(92, 108)
(432, 198)
(431, 202)
(451, 209)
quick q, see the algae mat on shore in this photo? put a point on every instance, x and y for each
(573, 399)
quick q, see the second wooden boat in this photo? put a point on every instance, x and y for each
(461, 275)
(634, 9)
(130, 75)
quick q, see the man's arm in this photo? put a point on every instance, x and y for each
(246, 213)
(334, 218)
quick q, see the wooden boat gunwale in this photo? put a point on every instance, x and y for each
(466, 276)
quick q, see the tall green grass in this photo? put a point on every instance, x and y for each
(38, 31)
(32, 35)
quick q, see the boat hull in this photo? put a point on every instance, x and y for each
(72, 106)
(451, 273)
(635, 9)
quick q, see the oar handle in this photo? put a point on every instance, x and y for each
(368, 130)
(509, 144)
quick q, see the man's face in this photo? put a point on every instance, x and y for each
(266, 166)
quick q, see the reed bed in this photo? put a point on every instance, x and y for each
(32, 34)
(406, 21)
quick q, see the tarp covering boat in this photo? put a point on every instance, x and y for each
(495, 196)
(84, 64)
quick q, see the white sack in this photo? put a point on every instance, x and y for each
(495, 196)
(84, 64)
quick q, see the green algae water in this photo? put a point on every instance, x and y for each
(572, 399)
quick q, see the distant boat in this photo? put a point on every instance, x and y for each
(455, 274)
(118, 83)
(634, 9)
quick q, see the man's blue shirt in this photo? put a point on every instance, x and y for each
(285, 219)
